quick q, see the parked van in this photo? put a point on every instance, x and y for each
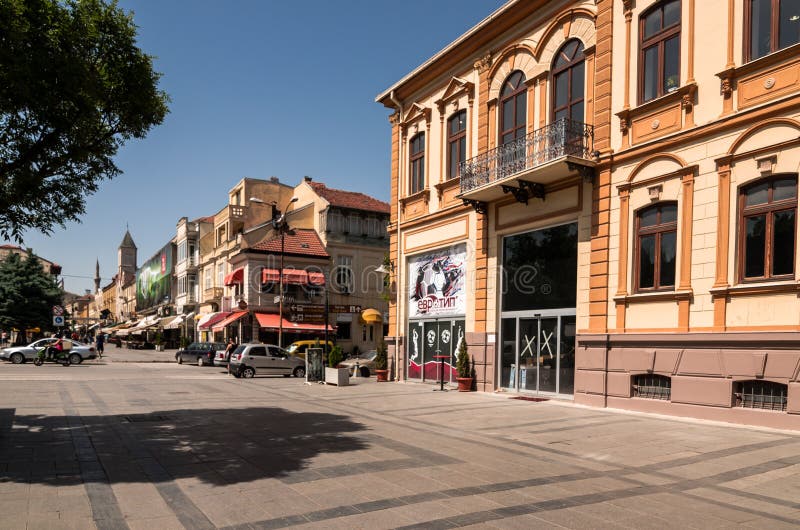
(298, 348)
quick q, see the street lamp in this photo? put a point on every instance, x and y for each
(280, 224)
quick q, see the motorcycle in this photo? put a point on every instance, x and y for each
(57, 356)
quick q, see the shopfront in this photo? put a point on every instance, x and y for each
(538, 301)
(436, 302)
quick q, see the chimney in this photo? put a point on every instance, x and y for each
(276, 180)
(307, 178)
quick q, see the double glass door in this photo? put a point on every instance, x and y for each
(538, 352)
(428, 339)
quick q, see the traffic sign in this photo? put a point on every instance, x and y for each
(58, 320)
(58, 310)
(311, 318)
(337, 308)
(307, 308)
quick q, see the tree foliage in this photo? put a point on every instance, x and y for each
(73, 88)
(27, 293)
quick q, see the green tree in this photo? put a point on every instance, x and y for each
(27, 293)
(73, 88)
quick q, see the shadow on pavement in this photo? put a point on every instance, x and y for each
(220, 446)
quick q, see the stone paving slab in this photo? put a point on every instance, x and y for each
(142, 445)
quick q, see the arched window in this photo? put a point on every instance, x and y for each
(513, 108)
(660, 45)
(456, 142)
(417, 164)
(656, 241)
(568, 82)
(767, 228)
(771, 26)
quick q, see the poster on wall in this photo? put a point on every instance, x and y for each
(154, 279)
(436, 286)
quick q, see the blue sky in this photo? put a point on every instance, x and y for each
(259, 88)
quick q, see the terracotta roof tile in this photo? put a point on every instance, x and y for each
(304, 242)
(349, 199)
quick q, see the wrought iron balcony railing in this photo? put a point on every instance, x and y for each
(557, 140)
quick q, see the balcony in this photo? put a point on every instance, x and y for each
(523, 167)
(214, 293)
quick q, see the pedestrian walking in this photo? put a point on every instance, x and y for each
(99, 344)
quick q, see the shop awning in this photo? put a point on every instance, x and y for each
(219, 326)
(292, 276)
(162, 322)
(213, 318)
(176, 322)
(371, 316)
(234, 278)
(272, 321)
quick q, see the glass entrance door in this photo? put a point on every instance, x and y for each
(426, 340)
(538, 353)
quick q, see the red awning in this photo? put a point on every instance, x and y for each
(228, 321)
(316, 278)
(213, 320)
(292, 276)
(272, 321)
(236, 277)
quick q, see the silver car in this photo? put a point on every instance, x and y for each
(78, 352)
(247, 360)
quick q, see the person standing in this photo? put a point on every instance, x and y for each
(99, 345)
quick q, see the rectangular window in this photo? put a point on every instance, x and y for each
(192, 250)
(181, 285)
(773, 25)
(457, 143)
(656, 240)
(182, 251)
(209, 274)
(767, 228)
(344, 275)
(417, 164)
(659, 44)
(220, 274)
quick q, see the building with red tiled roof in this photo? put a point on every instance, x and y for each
(303, 242)
(351, 200)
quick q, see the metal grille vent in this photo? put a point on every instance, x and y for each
(652, 386)
(764, 395)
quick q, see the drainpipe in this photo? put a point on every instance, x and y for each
(399, 267)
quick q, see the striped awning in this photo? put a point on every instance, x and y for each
(221, 325)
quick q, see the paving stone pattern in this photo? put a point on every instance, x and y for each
(132, 445)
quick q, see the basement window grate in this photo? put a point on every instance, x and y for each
(652, 386)
(763, 395)
(529, 398)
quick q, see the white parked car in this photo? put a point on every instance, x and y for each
(78, 352)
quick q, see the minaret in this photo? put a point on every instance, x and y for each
(97, 277)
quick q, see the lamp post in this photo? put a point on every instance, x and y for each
(282, 227)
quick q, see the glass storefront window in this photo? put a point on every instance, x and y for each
(540, 269)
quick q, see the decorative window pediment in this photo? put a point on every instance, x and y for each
(417, 113)
(456, 88)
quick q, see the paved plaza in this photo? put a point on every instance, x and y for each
(160, 446)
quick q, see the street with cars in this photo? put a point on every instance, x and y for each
(121, 443)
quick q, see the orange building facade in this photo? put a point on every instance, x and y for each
(600, 198)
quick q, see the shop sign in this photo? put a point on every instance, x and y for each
(437, 283)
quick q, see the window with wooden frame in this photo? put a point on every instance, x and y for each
(767, 228)
(456, 143)
(513, 108)
(568, 82)
(659, 50)
(417, 164)
(770, 25)
(656, 246)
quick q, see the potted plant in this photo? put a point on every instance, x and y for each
(381, 363)
(463, 371)
(333, 374)
(158, 340)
